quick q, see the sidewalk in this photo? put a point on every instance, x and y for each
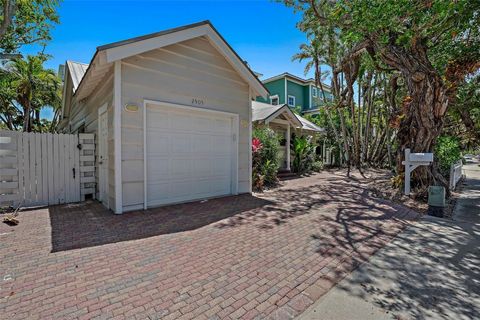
(468, 205)
(429, 271)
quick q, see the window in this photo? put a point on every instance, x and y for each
(274, 100)
(291, 101)
(314, 92)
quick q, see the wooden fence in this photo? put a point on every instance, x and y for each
(39, 169)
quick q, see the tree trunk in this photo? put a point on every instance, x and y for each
(37, 119)
(423, 109)
(26, 118)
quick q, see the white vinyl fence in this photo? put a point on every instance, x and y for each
(455, 174)
(39, 169)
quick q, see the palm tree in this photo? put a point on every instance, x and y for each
(9, 114)
(35, 87)
(318, 52)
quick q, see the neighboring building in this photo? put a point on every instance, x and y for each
(171, 112)
(295, 92)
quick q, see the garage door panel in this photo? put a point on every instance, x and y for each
(161, 145)
(222, 144)
(202, 144)
(222, 166)
(158, 119)
(201, 124)
(217, 185)
(180, 168)
(222, 125)
(180, 143)
(158, 192)
(157, 168)
(180, 189)
(203, 167)
(189, 159)
(180, 122)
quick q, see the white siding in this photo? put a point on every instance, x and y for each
(179, 73)
(87, 111)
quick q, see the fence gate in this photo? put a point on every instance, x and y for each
(41, 168)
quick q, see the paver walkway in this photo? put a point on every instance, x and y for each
(268, 255)
(429, 271)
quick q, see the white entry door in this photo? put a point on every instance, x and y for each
(190, 154)
(103, 155)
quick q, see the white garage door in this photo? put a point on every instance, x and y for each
(189, 154)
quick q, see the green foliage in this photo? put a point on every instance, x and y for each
(317, 166)
(303, 155)
(447, 152)
(265, 160)
(31, 22)
(27, 87)
(436, 41)
(466, 111)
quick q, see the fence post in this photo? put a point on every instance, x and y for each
(451, 184)
(87, 165)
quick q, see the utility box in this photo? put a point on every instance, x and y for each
(436, 196)
(436, 201)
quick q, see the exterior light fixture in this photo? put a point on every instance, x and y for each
(131, 107)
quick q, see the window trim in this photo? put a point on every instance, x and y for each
(314, 92)
(275, 97)
(288, 100)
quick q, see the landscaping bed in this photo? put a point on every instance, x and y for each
(379, 183)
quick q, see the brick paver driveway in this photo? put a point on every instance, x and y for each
(261, 256)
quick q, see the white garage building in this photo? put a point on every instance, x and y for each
(172, 116)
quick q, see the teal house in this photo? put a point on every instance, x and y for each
(295, 92)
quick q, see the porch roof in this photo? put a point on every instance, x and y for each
(308, 125)
(267, 112)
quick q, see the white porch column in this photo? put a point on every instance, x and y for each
(324, 152)
(288, 146)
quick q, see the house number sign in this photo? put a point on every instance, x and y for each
(197, 102)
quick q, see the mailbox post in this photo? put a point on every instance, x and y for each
(412, 161)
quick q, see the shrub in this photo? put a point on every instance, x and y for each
(303, 155)
(447, 152)
(265, 161)
(317, 166)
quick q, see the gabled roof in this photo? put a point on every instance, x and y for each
(307, 125)
(267, 112)
(107, 54)
(77, 71)
(295, 78)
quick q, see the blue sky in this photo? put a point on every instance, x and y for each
(262, 32)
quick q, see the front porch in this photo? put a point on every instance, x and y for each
(282, 120)
(283, 129)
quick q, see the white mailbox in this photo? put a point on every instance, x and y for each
(421, 157)
(412, 161)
